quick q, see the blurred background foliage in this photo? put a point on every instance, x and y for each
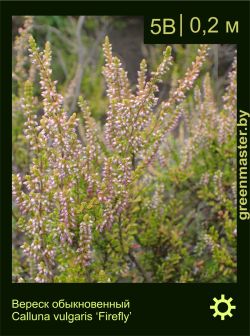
(183, 228)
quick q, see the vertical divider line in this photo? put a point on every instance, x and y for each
(180, 25)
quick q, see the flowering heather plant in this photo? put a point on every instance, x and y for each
(128, 201)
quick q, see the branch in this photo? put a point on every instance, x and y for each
(58, 33)
(79, 69)
(131, 255)
(83, 60)
(139, 267)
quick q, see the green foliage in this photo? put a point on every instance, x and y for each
(93, 203)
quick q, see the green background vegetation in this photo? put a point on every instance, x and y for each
(181, 226)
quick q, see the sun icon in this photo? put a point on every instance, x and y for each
(222, 302)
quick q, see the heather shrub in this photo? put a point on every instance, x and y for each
(147, 197)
